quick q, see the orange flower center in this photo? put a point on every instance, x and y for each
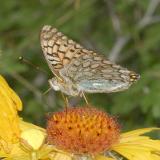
(82, 130)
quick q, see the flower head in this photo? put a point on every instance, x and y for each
(84, 130)
(88, 133)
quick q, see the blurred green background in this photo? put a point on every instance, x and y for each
(126, 31)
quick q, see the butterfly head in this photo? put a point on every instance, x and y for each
(54, 84)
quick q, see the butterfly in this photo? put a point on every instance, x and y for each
(78, 70)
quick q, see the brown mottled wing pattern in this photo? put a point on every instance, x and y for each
(93, 68)
(58, 49)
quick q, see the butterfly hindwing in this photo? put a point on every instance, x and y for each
(93, 73)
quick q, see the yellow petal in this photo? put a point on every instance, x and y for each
(60, 156)
(4, 87)
(134, 153)
(9, 121)
(155, 157)
(33, 138)
(138, 132)
(100, 157)
(133, 146)
(25, 126)
(43, 151)
(15, 154)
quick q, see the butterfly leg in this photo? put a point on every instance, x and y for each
(85, 98)
(65, 101)
(45, 92)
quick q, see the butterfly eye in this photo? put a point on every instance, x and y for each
(54, 84)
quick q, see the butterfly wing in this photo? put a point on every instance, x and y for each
(58, 49)
(92, 73)
(85, 69)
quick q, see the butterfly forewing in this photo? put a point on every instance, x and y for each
(58, 49)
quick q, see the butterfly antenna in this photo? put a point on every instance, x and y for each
(24, 60)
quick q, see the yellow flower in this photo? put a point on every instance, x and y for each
(91, 134)
(18, 139)
(99, 139)
(135, 146)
